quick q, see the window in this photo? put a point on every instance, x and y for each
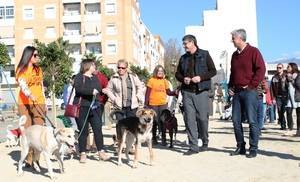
(110, 8)
(9, 12)
(28, 33)
(50, 32)
(50, 12)
(6, 12)
(2, 12)
(93, 48)
(111, 29)
(111, 48)
(28, 13)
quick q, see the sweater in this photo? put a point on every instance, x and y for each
(247, 68)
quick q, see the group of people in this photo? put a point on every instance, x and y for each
(285, 93)
(127, 93)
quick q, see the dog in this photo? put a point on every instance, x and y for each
(47, 141)
(135, 130)
(169, 122)
(12, 136)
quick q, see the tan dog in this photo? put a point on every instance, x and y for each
(135, 130)
(47, 141)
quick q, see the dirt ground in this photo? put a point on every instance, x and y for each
(278, 160)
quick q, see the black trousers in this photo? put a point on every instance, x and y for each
(95, 120)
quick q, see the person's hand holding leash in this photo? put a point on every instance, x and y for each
(187, 80)
(196, 79)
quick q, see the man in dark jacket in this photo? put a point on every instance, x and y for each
(195, 70)
(279, 92)
(247, 71)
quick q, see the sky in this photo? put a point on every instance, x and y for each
(278, 23)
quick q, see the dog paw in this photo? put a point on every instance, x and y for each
(20, 173)
(134, 166)
(36, 167)
(119, 163)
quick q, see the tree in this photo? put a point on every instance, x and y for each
(143, 74)
(56, 65)
(100, 67)
(173, 52)
(4, 57)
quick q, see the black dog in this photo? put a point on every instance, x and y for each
(169, 123)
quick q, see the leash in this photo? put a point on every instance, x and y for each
(87, 115)
(53, 125)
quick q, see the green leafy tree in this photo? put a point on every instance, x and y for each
(103, 69)
(56, 65)
(4, 57)
(143, 74)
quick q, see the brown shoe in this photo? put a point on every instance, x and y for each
(82, 158)
(103, 156)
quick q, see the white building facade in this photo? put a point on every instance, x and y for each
(214, 35)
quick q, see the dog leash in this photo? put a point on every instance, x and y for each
(53, 125)
(87, 115)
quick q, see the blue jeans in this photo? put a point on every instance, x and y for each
(261, 113)
(248, 100)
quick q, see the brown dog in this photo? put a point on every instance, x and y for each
(135, 130)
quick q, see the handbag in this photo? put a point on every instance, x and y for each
(72, 110)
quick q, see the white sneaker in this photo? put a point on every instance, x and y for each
(200, 143)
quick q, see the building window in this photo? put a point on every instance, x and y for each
(6, 12)
(9, 12)
(28, 13)
(93, 48)
(111, 29)
(28, 33)
(50, 12)
(50, 32)
(111, 48)
(110, 7)
(2, 12)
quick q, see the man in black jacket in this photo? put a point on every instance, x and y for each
(195, 70)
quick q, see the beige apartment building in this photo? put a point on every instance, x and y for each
(112, 29)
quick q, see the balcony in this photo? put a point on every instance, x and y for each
(71, 1)
(92, 37)
(92, 16)
(7, 40)
(73, 36)
(71, 16)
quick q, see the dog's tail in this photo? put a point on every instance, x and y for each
(22, 122)
(113, 115)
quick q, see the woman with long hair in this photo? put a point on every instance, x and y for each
(87, 89)
(31, 98)
(292, 72)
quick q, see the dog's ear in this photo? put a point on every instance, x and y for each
(139, 113)
(153, 113)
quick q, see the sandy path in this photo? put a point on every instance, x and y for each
(278, 160)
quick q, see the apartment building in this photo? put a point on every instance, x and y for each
(111, 29)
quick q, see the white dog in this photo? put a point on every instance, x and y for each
(12, 136)
(44, 140)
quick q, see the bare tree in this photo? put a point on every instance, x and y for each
(173, 52)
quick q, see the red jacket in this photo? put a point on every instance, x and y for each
(103, 81)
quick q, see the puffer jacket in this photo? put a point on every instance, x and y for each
(115, 91)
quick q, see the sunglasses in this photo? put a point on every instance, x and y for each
(123, 68)
(35, 55)
(279, 67)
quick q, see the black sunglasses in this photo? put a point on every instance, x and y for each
(123, 68)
